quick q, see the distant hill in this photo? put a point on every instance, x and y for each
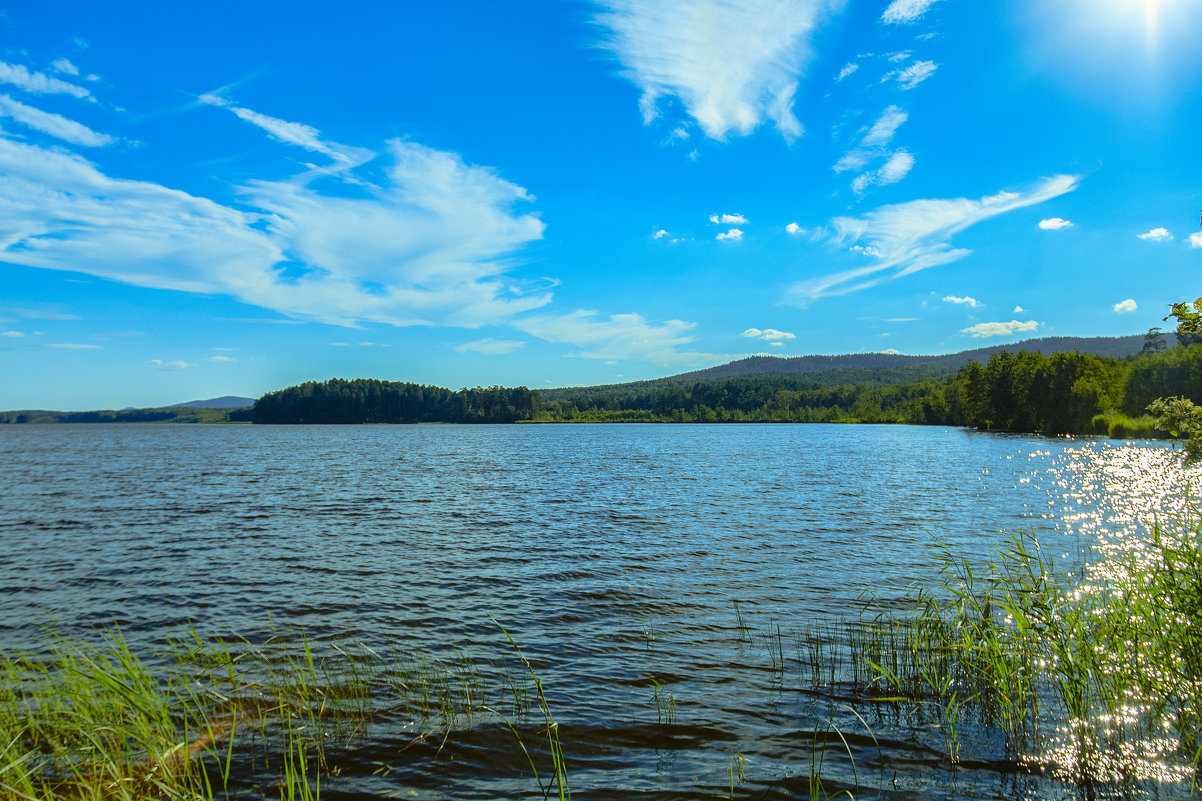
(224, 402)
(876, 368)
(1114, 347)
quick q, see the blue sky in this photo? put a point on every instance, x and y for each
(235, 197)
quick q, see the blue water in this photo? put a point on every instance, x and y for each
(612, 553)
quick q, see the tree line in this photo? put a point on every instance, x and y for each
(367, 400)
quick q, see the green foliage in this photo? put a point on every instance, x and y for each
(1182, 418)
(1057, 394)
(366, 400)
(166, 414)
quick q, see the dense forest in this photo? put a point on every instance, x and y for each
(1067, 392)
(366, 400)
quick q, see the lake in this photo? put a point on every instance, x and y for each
(614, 555)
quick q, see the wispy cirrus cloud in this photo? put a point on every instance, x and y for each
(907, 237)
(620, 337)
(429, 245)
(491, 347)
(895, 168)
(906, 11)
(916, 73)
(732, 64)
(983, 330)
(38, 83)
(52, 124)
(293, 133)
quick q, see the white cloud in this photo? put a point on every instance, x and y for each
(1054, 224)
(893, 170)
(891, 352)
(853, 160)
(429, 246)
(728, 219)
(882, 131)
(1019, 310)
(222, 359)
(175, 365)
(294, 133)
(491, 346)
(964, 301)
(794, 228)
(12, 334)
(64, 66)
(768, 334)
(734, 234)
(52, 124)
(902, 319)
(39, 314)
(916, 73)
(1156, 235)
(1195, 240)
(982, 330)
(905, 11)
(660, 234)
(1125, 306)
(72, 346)
(732, 64)
(897, 58)
(37, 83)
(620, 337)
(905, 238)
(847, 70)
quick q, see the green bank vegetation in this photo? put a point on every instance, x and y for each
(165, 414)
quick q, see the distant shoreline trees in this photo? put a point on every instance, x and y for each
(367, 400)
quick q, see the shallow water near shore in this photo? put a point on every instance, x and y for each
(614, 555)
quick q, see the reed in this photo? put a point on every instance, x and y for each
(1094, 675)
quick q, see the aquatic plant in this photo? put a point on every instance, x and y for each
(1093, 676)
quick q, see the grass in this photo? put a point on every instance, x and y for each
(85, 722)
(1094, 676)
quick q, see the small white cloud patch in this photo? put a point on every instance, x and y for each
(964, 301)
(1195, 240)
(794, 228)
(769, 335)
(847, 70)
(222, 359)
(728, 219)
(906, 11)
(1019, 310)
(660, 234)
(1054, 224)
(1125, 306)
(733, 234)
(12, 334)
(916, 73)
(1156, 235)
(175, 365)
(982, 330)
(71, 346)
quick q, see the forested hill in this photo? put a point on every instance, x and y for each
(1113, 347)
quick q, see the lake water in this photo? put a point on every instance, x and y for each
(613, 554)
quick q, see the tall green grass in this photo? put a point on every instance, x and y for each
(1093, 676)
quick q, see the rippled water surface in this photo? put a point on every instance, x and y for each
(613, 554)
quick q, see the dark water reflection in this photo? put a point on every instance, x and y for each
(613, 553)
